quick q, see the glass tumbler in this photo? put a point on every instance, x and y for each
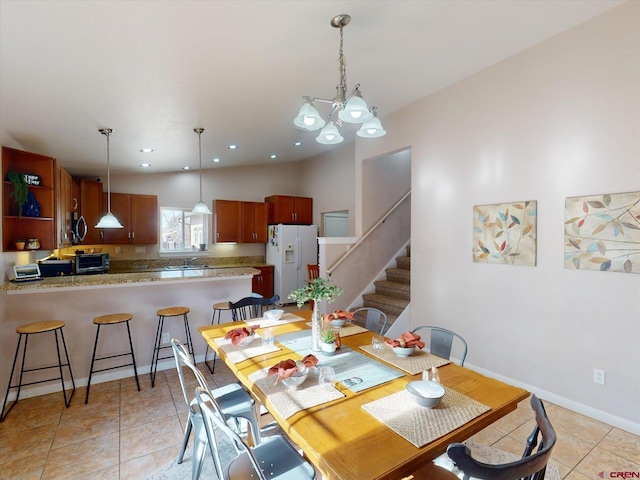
(326, 377)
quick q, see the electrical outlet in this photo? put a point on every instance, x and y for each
(598, 376)
(166, 338)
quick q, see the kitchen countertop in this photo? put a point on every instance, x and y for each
(119, 279)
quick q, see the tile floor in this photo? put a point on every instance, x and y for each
(126, 434)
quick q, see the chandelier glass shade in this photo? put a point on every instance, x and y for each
(200, 207)
(348, 108)
(108, 220)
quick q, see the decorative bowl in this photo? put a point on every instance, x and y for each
(425, 393)
(247, 340)
(295, 380)
(404, 351)
(274, 314)
(339, 322)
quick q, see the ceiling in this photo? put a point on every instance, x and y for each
(152, 71)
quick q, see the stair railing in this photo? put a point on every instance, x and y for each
(346, 254)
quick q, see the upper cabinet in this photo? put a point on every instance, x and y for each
(254, 216)
(290, 210)
(90, 211)
(64, 208)
(37, 218)
(138, 214)
(240, 222)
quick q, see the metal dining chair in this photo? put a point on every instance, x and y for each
(376, 319)
(532, 465)
(233, 400)
(441, 342)
(273, 459)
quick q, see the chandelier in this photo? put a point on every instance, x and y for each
(349, 109)
(109, 220)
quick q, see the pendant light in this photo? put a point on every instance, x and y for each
(108, 220)
(200, 207)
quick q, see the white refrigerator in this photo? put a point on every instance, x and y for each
(289, 249)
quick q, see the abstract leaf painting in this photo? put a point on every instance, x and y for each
(505, 233)
(602, 232)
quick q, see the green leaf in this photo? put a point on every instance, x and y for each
(596, 204)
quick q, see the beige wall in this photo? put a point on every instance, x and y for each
(558, 120)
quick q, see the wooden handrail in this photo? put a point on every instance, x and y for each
(331, 269)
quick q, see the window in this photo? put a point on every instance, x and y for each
(181, 230)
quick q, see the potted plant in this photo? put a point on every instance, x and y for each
(20, 244)
(318, 290)
(328, 344)
(20, 191)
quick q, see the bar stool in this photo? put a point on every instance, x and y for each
(218, 308)
(112, 319)
(25, 330)
(162, 314)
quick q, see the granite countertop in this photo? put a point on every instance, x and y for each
(116, 279)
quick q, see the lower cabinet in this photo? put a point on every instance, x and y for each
(263, 283)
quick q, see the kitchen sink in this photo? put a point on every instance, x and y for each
(186, 267)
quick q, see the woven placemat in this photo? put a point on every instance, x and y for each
(420, 425)
(264, 322)
(347, 329)
(240, 353)
(288, 401)
(413, 364)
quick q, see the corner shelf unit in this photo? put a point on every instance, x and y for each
(16, 227)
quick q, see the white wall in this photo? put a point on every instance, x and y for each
(558, 120)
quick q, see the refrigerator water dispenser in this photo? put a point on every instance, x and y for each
(289, 254)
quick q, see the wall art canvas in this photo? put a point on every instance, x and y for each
(505, 233)
(602, 232)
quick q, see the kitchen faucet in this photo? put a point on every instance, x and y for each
(187, 260)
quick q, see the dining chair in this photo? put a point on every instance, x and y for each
(313, 272)
(233, 400)
(441, 342)
(532, 465)
(376, 319)
(273, 459)
(251, 307)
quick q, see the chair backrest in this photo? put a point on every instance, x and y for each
(183, 359)
(313, 271)
(376, 319)
(250, 307)
(213, 418)
(442, 341)
(532, 466)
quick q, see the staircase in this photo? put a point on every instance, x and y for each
(393, 294)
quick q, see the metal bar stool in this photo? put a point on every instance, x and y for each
(162, 313)
(218, 308)
(25, 330)
(111, 319)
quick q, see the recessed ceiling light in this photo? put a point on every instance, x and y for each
(186, 168)
(145, 165)
(232, 147)
(297, 144)
(215, 160)
(273, 155)
(146, 150)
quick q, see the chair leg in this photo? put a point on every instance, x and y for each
(206, 352)
(3, 415)
(187, 332)
(199, 448)
(156, 351)
(93, 360)
(133, 358)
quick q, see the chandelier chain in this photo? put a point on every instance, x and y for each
(343, 64)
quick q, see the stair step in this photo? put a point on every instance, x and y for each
(389, 305)
(400, 275)
(361, 319)
(408, 250)
(403, 262)
(393, 289)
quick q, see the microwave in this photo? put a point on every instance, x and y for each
(92, 263)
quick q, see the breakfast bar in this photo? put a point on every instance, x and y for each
(340, 430)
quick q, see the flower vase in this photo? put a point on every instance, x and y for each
(316, 328)
(32, 207)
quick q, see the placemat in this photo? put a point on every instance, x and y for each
(263, 322)
(240, 353)
(420, 425)
(288, 401)
(413, 364)
(347, 329)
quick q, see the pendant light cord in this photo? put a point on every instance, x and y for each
(106, 132)
(199, 132)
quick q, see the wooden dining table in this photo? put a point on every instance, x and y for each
(344, 441)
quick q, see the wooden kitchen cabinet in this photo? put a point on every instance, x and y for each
(263, 283)
(16, 227)
(290, 210)
(90, 207)
(64, 208)
(138, 214)
(226, 224)
(253, 226)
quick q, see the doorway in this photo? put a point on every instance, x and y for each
(335, 224)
